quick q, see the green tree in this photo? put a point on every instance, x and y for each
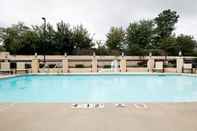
(172, 45)
(168, 46)
(186, 44)
(45, 39)
(30, 42)
(20, 39)
(81, 38)
(165, 23)
(13, 37)
(139, 37)
(115, 39)
(101, 48)
(163, 41)
(63, 38)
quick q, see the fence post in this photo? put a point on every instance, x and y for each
(5, 65)
(35, 64)
(150, 63)
(123, 64)
(179, 64)
(65, 64)
(94, 63)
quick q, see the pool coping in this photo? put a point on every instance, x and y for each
(97, 74)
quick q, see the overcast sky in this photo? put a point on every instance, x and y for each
(97, 15)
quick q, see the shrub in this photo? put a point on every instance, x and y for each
(51, 65)
(107, 66)
(79, 66)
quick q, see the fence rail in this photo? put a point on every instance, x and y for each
(65, 64)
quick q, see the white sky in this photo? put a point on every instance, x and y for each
(97, 15)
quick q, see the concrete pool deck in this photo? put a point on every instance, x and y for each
(62, 117)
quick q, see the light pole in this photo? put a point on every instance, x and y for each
(44, 51)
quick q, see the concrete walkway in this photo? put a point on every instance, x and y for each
(61, 117)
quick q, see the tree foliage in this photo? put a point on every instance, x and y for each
(81, 38)
(139, 37)
(168, 46)
(187, 44)
(13, 37)
(21, 39)
(115, 38)
(165, 23)
(101, 48)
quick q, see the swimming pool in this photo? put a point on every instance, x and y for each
(99, 88)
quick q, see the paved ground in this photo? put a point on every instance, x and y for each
(61, 117)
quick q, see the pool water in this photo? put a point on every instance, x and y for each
(99, 88)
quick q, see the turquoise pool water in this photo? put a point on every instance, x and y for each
(102, 88)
